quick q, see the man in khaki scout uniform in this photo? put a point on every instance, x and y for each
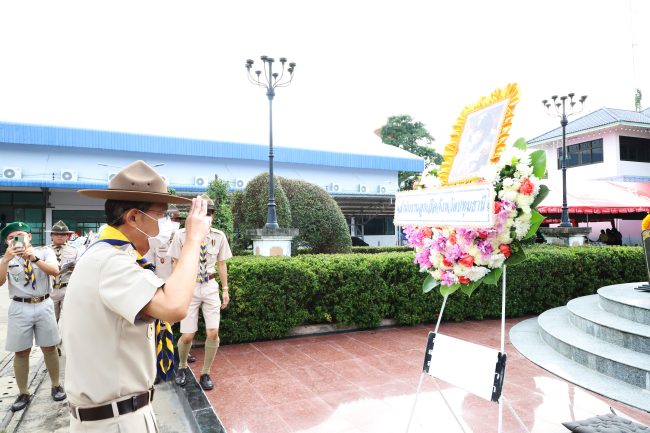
(27, 272)
(158, 254)
(66, 256)
(214, 252)
(113, 299)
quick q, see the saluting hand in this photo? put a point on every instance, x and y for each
(197, 224)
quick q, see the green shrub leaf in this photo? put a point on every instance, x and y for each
(541, 195)
(520, 144)
(538, 161)
(429, 284)
(468, 289)
(536, 220)
(493, 277)
(448, 290)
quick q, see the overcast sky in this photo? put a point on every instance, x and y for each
(177, 68)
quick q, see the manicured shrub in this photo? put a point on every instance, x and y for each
(270, 296)
(317, 216)
(253, 211)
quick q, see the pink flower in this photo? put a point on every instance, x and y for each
(466, 260)
(526, 187)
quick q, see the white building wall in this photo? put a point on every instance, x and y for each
(38, 162)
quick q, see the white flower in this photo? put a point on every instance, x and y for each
(507, 182)
(496, 260)
(476, 272)
(521, 228)
(523, 170)
(511, 196)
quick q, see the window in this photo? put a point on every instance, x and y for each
(80, 221)
(379, 226)
(634, 149)
(589, 152)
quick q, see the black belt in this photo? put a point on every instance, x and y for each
(32, 300)
(62, 286)
(125, 406)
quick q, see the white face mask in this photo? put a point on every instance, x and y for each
(166, 228)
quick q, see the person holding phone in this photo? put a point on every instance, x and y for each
(113, 298)
(66, 255)
(27, 272)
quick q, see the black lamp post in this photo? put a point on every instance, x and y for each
(270, 81)
(562, 111)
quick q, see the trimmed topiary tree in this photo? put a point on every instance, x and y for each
(254, 206)
(317, 216)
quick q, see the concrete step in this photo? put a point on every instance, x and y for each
(617, 362)
(525, 337)
(586, 314)
(622, 300)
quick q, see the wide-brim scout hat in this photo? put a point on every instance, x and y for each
(209, 200)
(59, 227)
(136, 182)
(14, 227)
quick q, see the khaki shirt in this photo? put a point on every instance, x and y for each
(69, 255)
(110, 351)
(16, 275)
(216, 245)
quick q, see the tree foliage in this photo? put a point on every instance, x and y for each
(223, 217)
(406, 133)
(317, 216)
(251, 208)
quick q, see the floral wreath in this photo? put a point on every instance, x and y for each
(464, 258)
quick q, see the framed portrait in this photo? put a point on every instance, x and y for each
(479, 137)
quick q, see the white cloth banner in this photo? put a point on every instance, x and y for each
(457, 206)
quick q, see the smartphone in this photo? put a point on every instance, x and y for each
(19, 242)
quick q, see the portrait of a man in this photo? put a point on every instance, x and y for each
(477, 142)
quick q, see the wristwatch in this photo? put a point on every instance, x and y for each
(35, 260)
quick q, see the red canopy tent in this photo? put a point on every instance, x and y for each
(627, 200)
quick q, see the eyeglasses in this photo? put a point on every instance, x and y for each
(161, 213)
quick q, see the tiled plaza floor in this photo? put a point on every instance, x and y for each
(365, 382)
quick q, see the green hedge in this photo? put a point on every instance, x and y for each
(271, 295)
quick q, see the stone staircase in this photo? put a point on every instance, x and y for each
(600, 342)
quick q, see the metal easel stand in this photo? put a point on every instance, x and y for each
(497, 394)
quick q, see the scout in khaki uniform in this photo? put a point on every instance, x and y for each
(214, 253)
(159, 257)
(27, 272)
(66, 256)
(113, 298)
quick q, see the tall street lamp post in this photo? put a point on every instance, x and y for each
(563, 112)
(270, 81)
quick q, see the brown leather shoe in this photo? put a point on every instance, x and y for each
(58, 393)
(21, 402)
(206, 382)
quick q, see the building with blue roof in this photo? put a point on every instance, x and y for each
(41, 167)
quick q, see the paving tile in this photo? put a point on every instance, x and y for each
(366, 381)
